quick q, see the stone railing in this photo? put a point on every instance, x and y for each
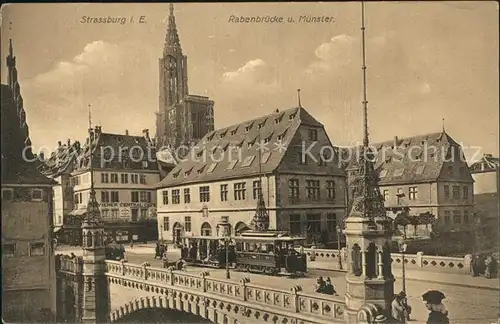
(69, 264)
(294, 301)
(412, 261)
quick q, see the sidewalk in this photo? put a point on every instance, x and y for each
(454, 279)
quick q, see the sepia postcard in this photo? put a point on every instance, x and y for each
(241, 162)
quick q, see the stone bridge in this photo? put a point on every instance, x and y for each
(133, 287)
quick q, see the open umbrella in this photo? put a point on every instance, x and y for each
(433, 297)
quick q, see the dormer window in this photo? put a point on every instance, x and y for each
(212, 167)
(383, 174)
(292, 116)
(232, 164)
(268, 139)
(398, 172)
(233, 132)
(200, 170)
(210, 137)
(261, 125)
(248, 161)
(200, 153)
(188, 172)
(248, 128)
(176, 174)
(265, 157)
(222, 135)
(250, 144)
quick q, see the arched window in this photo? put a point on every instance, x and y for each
(89, 239)
(371, 261)
(356, 260)
(206, 229)
(387, 260)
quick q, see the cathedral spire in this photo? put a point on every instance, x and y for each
(11, 67)
(93, 215)
(172, 43)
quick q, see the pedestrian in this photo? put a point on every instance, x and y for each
(320, 285)
(131, 244)
(434, 302)
(329, 288)
(399, 310)
(157, 251)
(301, 250)
(165, 260)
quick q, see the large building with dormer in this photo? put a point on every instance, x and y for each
(182, 119)
(224, 173)
(427, 173)
(125, 175)
(486, 174)
(28, 265)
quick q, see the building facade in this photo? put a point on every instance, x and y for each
(224, 173)
(59, 166)
(486, 176)
(182, 119)
(28, 265)
(426, 173)
(125, 173)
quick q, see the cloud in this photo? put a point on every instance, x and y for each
(255, 75)
(250, 70)
(337, 52)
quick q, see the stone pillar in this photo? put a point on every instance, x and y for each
(419, 259)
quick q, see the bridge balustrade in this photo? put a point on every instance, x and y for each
(294, 302)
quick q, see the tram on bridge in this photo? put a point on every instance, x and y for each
(270, 253)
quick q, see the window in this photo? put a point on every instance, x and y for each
(292, 116)
(204, 194)
(313, 134)
(134, 196)
(295, 226)
(450, 170)
(267, 140)
(398, 172)
(239, 191)
(312, 189)
(144, 214)
(248, 161)
(262, 124)
(420, 169)
(166, 224)
(302, 158)
(386, 195)
(105, 214)
(176, 196)
(146, 196)
(115, 197)
(330, 189)
(124, 177)
(7, 194)
(248, 128)
(466, 217)
(456, 192)
(314, 224)
(383, 173)
(187, 223)
(223, 192)
(256, 189)
(9, 250)
(331, 223)
(456, 217)
(144, 164)
(104, 177)
(114, 214)
(211, 168)
(80, 198)
(413, 193)
(446, 192)
(135, 214)
(134, 178)
(37, 249)
(465, 191)
(105, 196)
(447, 216)
(114, 178)
(232, 164)
(165, 197)
(36, 194)
(293, 188)
(265, 157)
(187, 196)
(143, 179)
(400, 195)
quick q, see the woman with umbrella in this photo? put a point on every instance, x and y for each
(433, 301)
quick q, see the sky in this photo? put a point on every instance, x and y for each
(426, 61)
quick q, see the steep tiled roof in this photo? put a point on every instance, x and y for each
(15, 169)
(413, 159)
(488, 163)
(63, 159)
(240, 142)
(122, 152)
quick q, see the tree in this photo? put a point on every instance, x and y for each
(402, 219)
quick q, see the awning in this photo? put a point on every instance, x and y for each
(78, 212)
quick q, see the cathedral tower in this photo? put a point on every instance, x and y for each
(182, 119)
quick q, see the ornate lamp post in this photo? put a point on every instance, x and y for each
(402, 249)
(339, 231)
(161, 233)
(226, 238)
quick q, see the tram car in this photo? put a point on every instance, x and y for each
(114, 251)
(270, 253)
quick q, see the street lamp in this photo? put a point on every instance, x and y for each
(226, 238)
(402, 250)
(339, 231)
(161, 233)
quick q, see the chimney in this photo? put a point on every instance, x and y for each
(395, 141)
(145, 132)
(126, 132)
(277, 110)
(42, 156)
(59, 143)
(69, 142)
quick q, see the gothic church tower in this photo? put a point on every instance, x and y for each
(182, 119)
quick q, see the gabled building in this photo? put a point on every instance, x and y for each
(28, 265)
(486, 176)
(279, 155)
(125, 173)
(427, 173)
(182, 119)
(59, 166)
